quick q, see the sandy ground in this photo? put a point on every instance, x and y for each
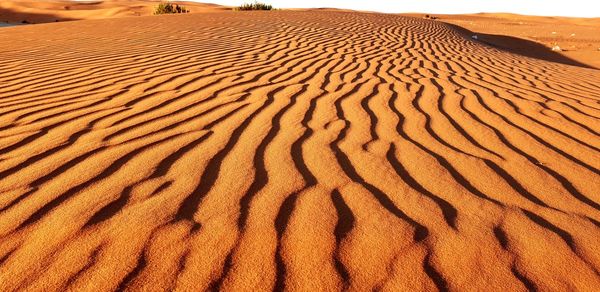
(533, 36)
(292, 150)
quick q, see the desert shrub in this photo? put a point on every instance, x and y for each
(169, 8)
(254, 6)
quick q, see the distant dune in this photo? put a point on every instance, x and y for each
(30, 11)
(297, 150)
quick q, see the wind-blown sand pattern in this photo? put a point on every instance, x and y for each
(292, 150)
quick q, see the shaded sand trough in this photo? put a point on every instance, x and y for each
(297, 150)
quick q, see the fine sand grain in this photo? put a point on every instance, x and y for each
(292, 150)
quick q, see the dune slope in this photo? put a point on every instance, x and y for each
(292, 150)
(534, 36)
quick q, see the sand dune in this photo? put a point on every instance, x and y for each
(534, 36)
(292, 150)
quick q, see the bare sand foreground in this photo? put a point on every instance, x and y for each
(297, 150)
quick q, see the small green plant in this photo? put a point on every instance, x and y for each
(169, 8)
(254, 6)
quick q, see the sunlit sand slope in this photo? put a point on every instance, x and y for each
(292, 150)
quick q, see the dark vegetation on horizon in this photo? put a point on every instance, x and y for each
(254, 6)
(169, 8)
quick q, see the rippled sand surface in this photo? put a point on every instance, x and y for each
(292, 150)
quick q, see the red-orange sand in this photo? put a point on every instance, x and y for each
(301, 151)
